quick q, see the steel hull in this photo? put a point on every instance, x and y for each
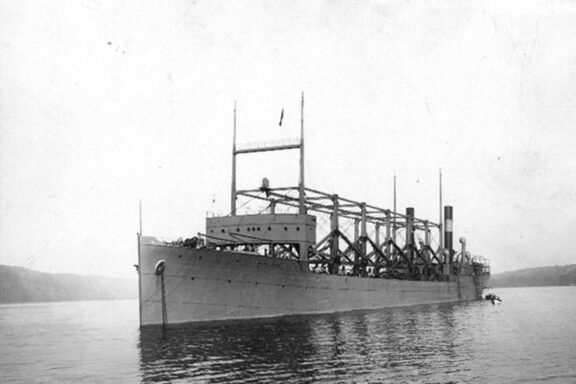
(205, 284)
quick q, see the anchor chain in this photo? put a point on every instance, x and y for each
(159, 269)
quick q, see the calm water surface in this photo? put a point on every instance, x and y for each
(530, 338)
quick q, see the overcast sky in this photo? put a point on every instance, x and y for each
(103, 103)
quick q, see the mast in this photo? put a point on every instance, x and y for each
(440, 210)
(233, 192)
(140, 216)
(302, 207)
(394, 224)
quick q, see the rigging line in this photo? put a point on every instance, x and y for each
(346, 227)
(236, 210)
(263, 209)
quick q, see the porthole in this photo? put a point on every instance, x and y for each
(269, 228)
(285, 228)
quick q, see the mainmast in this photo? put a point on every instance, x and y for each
(440, 209)
(394, 224)
(233, 192)
(302, 206)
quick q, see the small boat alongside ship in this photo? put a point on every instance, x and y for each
(281, 261)
(493, 298)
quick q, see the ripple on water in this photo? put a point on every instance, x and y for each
(466, 342)
(527, 339)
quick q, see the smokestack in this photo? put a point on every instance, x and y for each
(448, 228)
(410, 232)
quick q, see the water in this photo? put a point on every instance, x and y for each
(530, 338)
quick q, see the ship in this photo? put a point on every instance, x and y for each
(304, 252)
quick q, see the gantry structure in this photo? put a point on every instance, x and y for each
(384, 243)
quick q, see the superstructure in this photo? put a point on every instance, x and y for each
(281, 261)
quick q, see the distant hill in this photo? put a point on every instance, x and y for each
(536, 277)
(20, 285)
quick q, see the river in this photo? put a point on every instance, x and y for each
(529, 338)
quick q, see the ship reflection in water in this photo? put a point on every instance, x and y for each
(429, 343)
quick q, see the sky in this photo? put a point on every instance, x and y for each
(106, 103)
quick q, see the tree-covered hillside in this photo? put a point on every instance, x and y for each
(536, 277)
(18, 285)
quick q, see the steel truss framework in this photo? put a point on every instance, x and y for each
(361, 254)
(364, 254)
